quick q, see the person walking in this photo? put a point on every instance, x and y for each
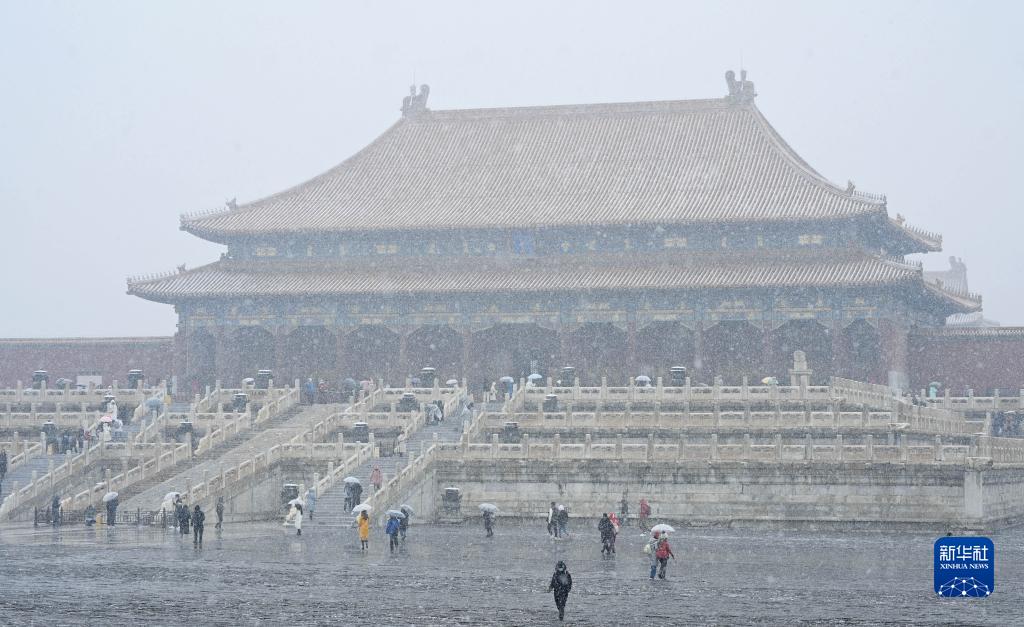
(183, 518)
(489, 523)
(624, 511)
(561, 584)
(357, 494)
(311, 502)
(663, 553)
(607, 534)
(392, 531)
(3, 464)
(645, 513)
(364, 530)
(298, 519)
(55, 511)
(563, 521)
(376, 479)
(403, 526)
(198, 520)
(112, 512)
(220, 512)
(553, 521)
(651, 549)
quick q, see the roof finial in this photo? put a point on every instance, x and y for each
(415, 103)
(740, 91)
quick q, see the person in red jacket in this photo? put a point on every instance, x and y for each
(663, 553)
(645, 512)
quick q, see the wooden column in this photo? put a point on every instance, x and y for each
(839, 367)
(698, 351)
(767, 351)
(631, 358)
(282, 374)
(224, 358)
(467, 354)
(339, 350)
(403, 354)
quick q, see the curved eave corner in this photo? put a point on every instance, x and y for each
(959, 302)
(919, 240)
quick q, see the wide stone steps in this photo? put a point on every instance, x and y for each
(277, 430)
(23, 473)
(330, 507)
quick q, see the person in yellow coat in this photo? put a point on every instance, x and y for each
(364, 530)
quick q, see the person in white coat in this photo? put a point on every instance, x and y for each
(298, 519)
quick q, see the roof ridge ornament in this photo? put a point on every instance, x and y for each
(415, 103)
(740, 91)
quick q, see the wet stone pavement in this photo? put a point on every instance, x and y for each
(452, 575)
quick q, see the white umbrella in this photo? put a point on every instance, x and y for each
(106, 419)
(534, 377)
(394, 513)
(362, 507)
(109, 496)
(560, 507)
(507, 379)
(770, 381)
(663, 528)
(352, 480)
(452, 382)
(297, 502)
(643, 379)
(489, 507)
(410, 512)
(170, 496)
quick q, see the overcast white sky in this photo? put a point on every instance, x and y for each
(115, 117)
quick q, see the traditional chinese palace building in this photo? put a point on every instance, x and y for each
(621, 239)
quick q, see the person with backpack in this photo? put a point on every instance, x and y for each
(561, 584)
(392, 531)
(604, 526)
(198, 520)
(651, 549)
(663, 552)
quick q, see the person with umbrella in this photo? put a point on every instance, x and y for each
(561, 584)
(563, 520)
(357, 493)
(604, 526)
(651, 548)
(364, 530)
(392, 530)
(488, 513)
(198, 520)
(110, 498)
(183, 517)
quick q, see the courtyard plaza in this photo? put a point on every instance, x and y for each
(451, 574)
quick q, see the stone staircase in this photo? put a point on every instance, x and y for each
(330, 507)
(23, 473)
(277, 430)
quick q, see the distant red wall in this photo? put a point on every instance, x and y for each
(110, 357)
(982, 359)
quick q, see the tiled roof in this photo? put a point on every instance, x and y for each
(230, 278)
(649, 162)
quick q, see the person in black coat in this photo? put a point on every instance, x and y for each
(607, 530)
(489, 523)
(561, 584)
(198, 520)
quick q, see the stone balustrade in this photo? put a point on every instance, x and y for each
(68, 394)
(232, 424)
(685, 393)
(777, 450)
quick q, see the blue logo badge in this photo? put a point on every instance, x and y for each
(965, 567)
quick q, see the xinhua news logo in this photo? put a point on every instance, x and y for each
(965, 567)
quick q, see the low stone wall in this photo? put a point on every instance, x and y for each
(854, 495)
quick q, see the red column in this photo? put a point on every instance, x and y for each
(768, 364)
(282, 371)
(224, 358)
(698, 350)
(839, 365)
(467, 353)
(631, 350)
